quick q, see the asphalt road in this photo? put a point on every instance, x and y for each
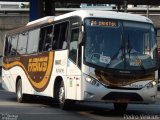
(42, 109)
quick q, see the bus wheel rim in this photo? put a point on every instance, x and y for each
(19, 92)
(61, 94)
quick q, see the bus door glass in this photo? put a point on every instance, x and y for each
(74, 48)
(74, 44)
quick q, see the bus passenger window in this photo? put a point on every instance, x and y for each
(60, 36)
(46, 36)
(7, 46)
(33, 41)
(14, 45)
(74, 44)
(22, 43)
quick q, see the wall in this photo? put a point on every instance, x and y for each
(10, 21)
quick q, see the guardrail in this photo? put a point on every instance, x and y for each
(26, 10)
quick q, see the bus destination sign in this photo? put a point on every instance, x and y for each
(104, 23)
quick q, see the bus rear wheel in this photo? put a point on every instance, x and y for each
(120, 107)
(20, 96)
(64, 103)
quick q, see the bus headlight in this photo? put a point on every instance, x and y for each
(151, 84)
(91, 80)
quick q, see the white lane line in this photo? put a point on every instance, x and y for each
(37, 113)
(2, 91)
(45, 113)
(8, 103)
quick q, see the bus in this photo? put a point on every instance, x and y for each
(83, 56)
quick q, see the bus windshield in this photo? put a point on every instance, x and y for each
(120, 45)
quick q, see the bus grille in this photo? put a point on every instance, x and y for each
(123, 95)
(122, 88)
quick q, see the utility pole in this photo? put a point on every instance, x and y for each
(125, 6)
(118, 6)
(49, 8)
(36, 9)
(147, 10)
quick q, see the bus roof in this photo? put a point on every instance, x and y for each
(83, 14)
(105, 14)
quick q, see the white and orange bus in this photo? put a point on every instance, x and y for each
(85, 55)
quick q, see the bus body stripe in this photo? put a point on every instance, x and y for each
(39, 86)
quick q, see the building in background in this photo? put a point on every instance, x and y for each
(13, 5)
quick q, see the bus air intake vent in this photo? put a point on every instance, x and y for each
(122, 95)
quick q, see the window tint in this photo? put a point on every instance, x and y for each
(7, 46)
(14, 45)
(33, 41)
(46, 36)
(60, 36)
(22, 43)
(74, 44)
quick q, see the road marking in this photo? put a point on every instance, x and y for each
(5, 91)
(98, 116)
(14, 103)
(45, 113)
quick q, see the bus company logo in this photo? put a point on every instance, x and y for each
(38, 64)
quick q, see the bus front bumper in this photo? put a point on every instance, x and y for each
(144, 95)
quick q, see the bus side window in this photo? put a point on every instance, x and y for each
(60, 36)
(14, 45)
(74, 44)
(46, 36)
(7, 46)
(64, 35)
(33, 41)
(22, 43)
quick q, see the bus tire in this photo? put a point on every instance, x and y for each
(63, 103)
(120, 107)
(20, 96)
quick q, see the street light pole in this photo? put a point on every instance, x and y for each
(147, 10)
(125, 6)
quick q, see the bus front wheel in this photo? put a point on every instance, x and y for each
(20, 95)
(64, 103)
